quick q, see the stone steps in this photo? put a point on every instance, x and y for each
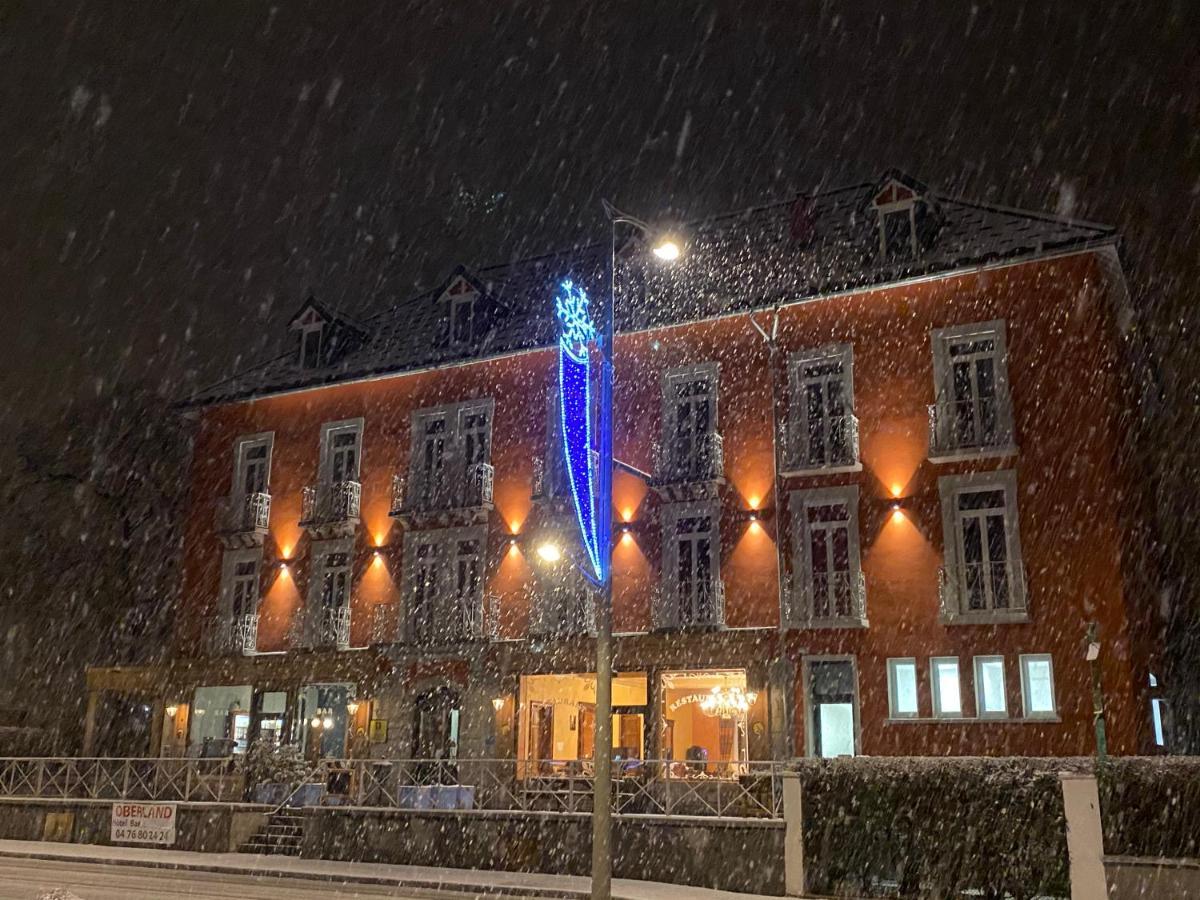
(283, 836)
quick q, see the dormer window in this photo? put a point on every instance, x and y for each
(460, 298)
(310, 326)
(896, 205)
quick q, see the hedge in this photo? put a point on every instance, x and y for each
(1150, 806)
(934, 828)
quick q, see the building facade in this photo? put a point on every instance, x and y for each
(870, 495)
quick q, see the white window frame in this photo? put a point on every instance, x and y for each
(893, 684)
(943, 382)
(454, 452)
(305, 331)
(977, 664)
(1025, 659)
(801, 502)
(705, 371)
(329, 431)
(241, 447)
(457, 302)
(318, 552)
(230, 561)
(949, 488)
(907, 205)
(671, 514)
(444, 540)
(935, 684)
(809, 706)
(798, 408)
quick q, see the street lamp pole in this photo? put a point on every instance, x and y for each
(602, 759)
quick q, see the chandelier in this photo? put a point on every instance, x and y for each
(727, 703)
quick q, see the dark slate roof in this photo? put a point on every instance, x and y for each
(780, 253)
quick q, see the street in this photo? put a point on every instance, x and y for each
(30, 879)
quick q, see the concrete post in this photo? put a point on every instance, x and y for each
(1085, 837)
(89, 723)
(793, 840)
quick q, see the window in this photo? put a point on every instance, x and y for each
(832, 707)
(983, 578)
(252, 472)
(831, 588)
(691, 445)
(692, 590)
(335, 580)
(445, 583)
(328, 614)
(462, 319)
(902, 688)
(947, 695)
(990, 697)
(341, 451)
(823, 432)
(241, 582)
(451, 456)
(898, 233)
(1037, 686)
(972, 412)
(705, 718)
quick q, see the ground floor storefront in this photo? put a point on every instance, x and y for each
(706, 704)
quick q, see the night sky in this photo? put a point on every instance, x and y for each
(178, 176)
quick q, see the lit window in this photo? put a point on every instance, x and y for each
(1037, 686)
(902, 688)
(947, 696)
(990, 698)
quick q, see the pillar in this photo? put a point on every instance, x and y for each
(781, 682)
(89, 723)
(1085, 837)
(793, 839)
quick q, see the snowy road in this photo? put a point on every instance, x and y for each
(28, 879)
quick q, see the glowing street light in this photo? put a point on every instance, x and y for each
(667, 250)
(549, 552)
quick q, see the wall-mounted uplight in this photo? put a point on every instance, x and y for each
(549, 552)
(897, 513)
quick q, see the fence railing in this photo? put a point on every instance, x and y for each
(980, 423)
(983, 589)
(122, 779)
(837, 598)
(820, 442)
(233, 635)
(688, 604)
(690, 459)
(244, 513)
(469, 487)
(646, 787)
(338, 501)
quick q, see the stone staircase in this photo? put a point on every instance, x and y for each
(282, 836)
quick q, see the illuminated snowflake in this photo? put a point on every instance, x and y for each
(571, 306)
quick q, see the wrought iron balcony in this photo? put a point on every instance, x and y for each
(455, 621)
(423, 497)
(990, 592)
(331, 509)
(813, 444)
(563, 611)
(829, 600)
(234, 635)
(242, 520)
(689, 470)
(970, 426)
(334, 628)
(688, 604)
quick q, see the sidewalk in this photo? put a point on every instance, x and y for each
(470, 882)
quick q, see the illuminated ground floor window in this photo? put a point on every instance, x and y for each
(704, 715)
(220, 720)
(557, 725)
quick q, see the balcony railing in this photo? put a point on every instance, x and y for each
(701, 460)
(983, 590)
(244, 514)
(562, 611)
(423, 495)
(335, 628)
(328, 504)
(821, 443)
(454, 621)
(982, 423)
(689, 604)
(234, 635)
(830, 599)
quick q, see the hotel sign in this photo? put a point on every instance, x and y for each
(144, 823)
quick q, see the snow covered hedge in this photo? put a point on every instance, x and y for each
(1151, 806)
(913, 827)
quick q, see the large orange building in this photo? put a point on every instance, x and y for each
(869, 498)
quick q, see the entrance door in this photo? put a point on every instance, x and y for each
(587, 731)
(437, 719)
(541, 734)
(629, 732)
(833, 708)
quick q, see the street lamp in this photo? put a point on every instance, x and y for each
(667, 249)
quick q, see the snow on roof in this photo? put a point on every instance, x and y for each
(736, 262)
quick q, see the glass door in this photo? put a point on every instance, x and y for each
(833, 708)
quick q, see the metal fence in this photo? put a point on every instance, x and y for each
(647, 787)
(121, 779)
